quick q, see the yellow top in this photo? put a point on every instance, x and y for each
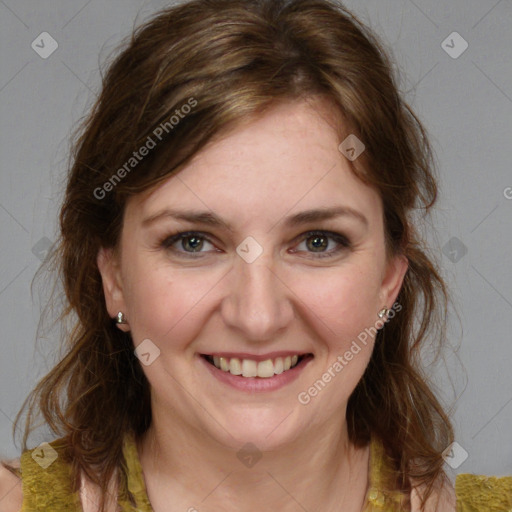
(46, 481)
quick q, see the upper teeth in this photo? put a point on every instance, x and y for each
(251, 368)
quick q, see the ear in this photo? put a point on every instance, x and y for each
(393, 279)
(108, 265)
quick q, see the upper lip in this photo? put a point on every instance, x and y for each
(257, 357)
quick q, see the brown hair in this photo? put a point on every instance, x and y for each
(230, 60)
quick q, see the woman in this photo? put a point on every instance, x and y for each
(251, 295)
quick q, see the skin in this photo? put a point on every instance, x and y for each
(279, 164)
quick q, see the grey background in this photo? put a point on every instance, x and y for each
(465, 103)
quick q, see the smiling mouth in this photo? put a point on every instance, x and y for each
(250, 368)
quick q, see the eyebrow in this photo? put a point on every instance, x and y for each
(304, 217)
(319, 214)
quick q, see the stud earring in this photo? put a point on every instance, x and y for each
(121, 319)
(383, 312)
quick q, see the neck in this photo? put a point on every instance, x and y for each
(322, 470)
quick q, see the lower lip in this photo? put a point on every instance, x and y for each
(257, 384)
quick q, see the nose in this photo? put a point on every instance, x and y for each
(257, 303)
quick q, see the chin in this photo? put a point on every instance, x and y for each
(267, 429)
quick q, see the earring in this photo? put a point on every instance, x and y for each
(121, 319)
(383, 312)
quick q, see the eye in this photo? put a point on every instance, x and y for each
(319, 242)
(187, 243)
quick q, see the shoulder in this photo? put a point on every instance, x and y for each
(471, 492)
(46, 479)
(442, 499)
(478, 490)
(11, 495)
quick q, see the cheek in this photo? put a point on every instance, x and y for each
(343, 312)
(343, 301)
(163, 304)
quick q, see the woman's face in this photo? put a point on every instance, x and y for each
(286, 258)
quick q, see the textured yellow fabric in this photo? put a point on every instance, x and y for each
(477, 493)
(378, 498)
(136, 484)
(50, 489)
(47, 489)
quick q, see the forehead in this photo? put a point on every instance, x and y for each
(285, 160)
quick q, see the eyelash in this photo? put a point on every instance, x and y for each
(344, 242)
